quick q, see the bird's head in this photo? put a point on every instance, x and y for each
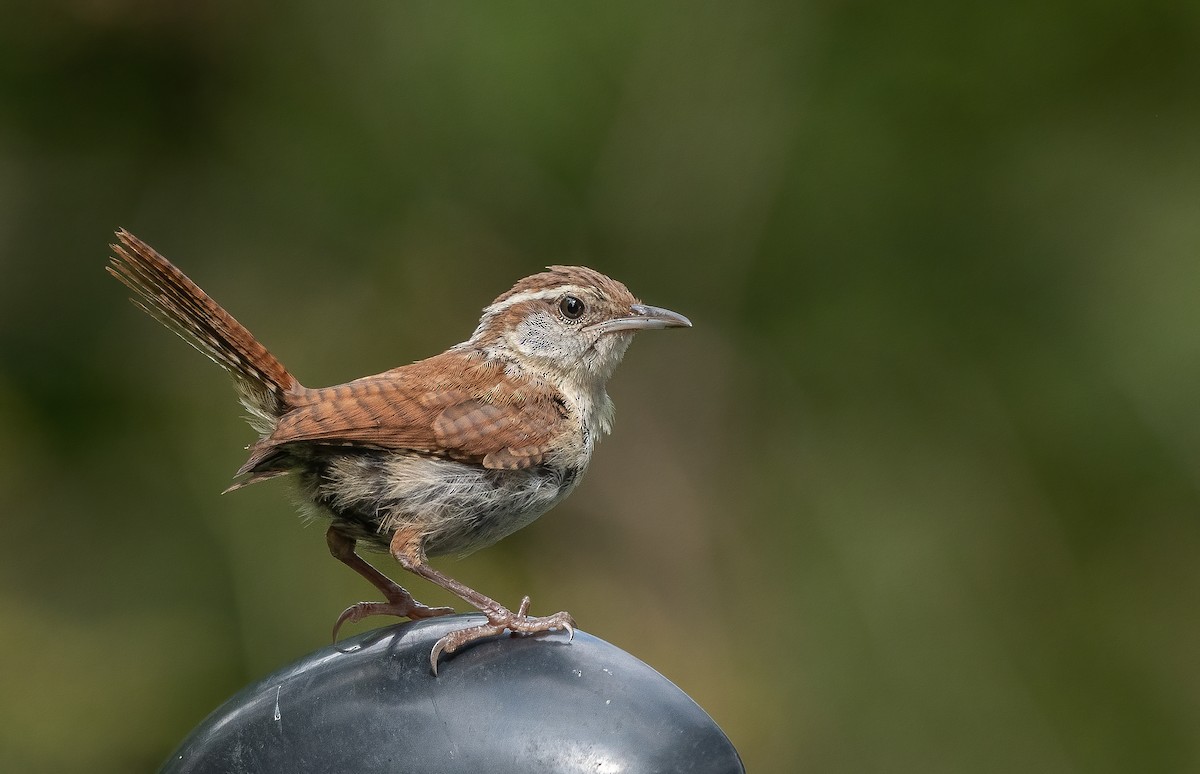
(570, 320)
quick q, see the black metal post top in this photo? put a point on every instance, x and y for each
(509, 704)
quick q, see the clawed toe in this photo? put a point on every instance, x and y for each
(498, 622)
(456, 639)
(405, 609)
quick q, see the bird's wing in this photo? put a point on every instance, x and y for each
(463, 409)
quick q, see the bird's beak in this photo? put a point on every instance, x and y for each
(643, 318)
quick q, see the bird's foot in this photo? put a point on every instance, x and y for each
(498, 621)
(403, 607)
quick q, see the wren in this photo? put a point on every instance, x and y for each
(446, 455)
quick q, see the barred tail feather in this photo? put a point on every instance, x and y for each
(166, 294)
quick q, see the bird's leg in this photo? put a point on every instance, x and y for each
(407, 550)
(399, 601)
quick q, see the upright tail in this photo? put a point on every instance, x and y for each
(167, 295)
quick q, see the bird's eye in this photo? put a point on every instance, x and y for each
(571, 307)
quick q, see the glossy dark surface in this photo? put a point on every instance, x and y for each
(509, 704)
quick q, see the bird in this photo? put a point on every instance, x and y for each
(443, 456)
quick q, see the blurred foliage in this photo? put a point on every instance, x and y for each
(917, 493)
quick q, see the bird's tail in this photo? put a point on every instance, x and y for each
(166, 294)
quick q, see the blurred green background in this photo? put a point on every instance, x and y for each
(917, 493)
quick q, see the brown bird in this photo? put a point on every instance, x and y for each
(443, 456)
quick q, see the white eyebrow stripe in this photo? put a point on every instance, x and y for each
(534, 295)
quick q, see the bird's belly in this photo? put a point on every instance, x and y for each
(458, 507)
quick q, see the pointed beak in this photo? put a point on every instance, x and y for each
(643, 318)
